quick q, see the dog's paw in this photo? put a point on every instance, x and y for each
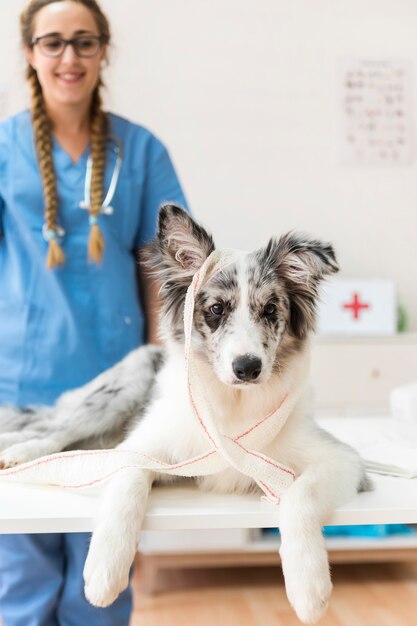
(310, 601)
(5, 463)
(308, 585)
(20, 453)
(28, 450)
(106, 570)
(102, 587)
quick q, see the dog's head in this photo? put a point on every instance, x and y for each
(250, 315)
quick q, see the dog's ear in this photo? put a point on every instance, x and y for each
(302, 263)
(182, 242)
(180, 249)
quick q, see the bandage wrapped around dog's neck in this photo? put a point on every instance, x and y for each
(244, 451)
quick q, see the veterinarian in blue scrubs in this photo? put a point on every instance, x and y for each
(72, 180)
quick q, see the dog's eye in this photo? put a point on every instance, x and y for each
(270, 309)
(217, 309)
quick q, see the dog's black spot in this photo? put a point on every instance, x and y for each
(158, 359)
(113, 391)
(26, 410)
(97, 391)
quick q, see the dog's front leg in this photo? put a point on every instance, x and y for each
(115, 538)
(322, 487)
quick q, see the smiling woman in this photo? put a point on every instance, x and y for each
(64, 322)
(66, 50)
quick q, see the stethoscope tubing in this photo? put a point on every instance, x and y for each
(106, 207)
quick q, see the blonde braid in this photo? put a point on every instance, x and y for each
(43, 143)
(99, 128)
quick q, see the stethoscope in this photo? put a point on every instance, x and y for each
(106, 207)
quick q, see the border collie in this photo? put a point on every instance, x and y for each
(249, 332)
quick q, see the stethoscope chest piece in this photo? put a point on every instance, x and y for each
(105, 210)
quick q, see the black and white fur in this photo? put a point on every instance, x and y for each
(250, 322)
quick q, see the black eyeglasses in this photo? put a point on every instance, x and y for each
(85, 46)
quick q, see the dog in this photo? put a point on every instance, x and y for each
(251, 325)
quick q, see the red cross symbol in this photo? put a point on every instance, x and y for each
(356, 306)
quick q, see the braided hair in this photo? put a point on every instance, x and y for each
(43, 140)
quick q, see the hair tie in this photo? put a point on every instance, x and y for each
(52, 233)
(55, 254)
(49, 234)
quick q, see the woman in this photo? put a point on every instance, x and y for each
(79, 196)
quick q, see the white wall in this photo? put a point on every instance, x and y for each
(244, 94)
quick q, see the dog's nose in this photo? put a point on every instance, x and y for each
(247, 367)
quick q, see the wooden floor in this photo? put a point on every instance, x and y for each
(363, 595)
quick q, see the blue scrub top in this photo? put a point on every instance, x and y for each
(60, 328)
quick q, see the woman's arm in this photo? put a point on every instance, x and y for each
(148, 288)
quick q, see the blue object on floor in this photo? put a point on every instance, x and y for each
(378, 530)
(375, 530)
